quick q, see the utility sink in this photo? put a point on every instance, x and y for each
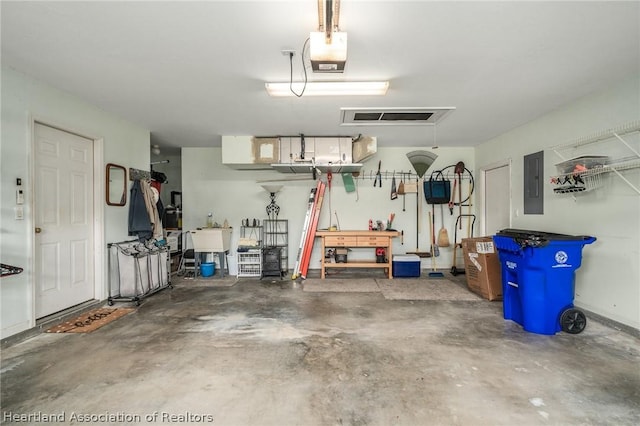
(211, 240)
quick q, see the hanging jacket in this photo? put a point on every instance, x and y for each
(139, 222)
(151, 197)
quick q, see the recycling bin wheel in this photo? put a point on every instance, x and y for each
(573, 321)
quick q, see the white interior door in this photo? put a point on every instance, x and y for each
(63, 219)
(497, 198)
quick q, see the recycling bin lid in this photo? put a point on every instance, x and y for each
(530, 238)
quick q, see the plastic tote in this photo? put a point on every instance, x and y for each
(207, 269)
(538, 279)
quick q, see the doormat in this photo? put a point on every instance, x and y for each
(90, 321)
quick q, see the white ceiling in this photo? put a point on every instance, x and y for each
(193, 71)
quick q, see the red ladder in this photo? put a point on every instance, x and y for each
(311, 234)
(305, 230)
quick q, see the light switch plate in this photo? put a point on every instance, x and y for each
(19, 212)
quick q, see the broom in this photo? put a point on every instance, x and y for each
(443, 236)
(433, 273)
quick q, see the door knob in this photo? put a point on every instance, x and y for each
(38, 230)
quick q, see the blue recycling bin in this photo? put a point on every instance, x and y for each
(538, 279)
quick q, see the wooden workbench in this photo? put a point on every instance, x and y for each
(346, 239)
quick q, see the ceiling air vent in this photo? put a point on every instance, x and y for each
(392, 116)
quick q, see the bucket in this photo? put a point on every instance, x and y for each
(207, 269)
(232, 264)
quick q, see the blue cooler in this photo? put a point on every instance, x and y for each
(538, 279)
(405, 265)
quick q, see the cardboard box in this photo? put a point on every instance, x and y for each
(482, 267)
(407, 265)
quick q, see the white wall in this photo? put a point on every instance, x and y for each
(234, 194)
(608, 283)
(25, 100)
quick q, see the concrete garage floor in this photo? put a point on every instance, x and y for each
(268, 353)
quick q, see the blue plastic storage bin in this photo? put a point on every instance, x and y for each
(207, 269)
(538, 279)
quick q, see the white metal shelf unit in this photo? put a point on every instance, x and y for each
(589, 174)
(250, 263)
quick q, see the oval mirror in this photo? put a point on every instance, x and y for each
(116, 185)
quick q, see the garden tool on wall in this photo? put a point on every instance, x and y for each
(434, 252)
(378, 178)
(453, 194)
(421, 161)
(402, 192)
(443, 236)
(459, 170)
(394, 193)
(469, 232)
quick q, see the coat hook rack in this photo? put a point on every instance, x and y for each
(137, 174)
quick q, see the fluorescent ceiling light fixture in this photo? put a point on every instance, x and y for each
(329, 88)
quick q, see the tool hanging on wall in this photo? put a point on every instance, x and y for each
(329, 178)
(453, 194)
(434, 251)
(378, 178)
(394, 192)
(421, 161)
(470, 203)
(401, 191)
(460, 173)
(459, 170)
(443, 236)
